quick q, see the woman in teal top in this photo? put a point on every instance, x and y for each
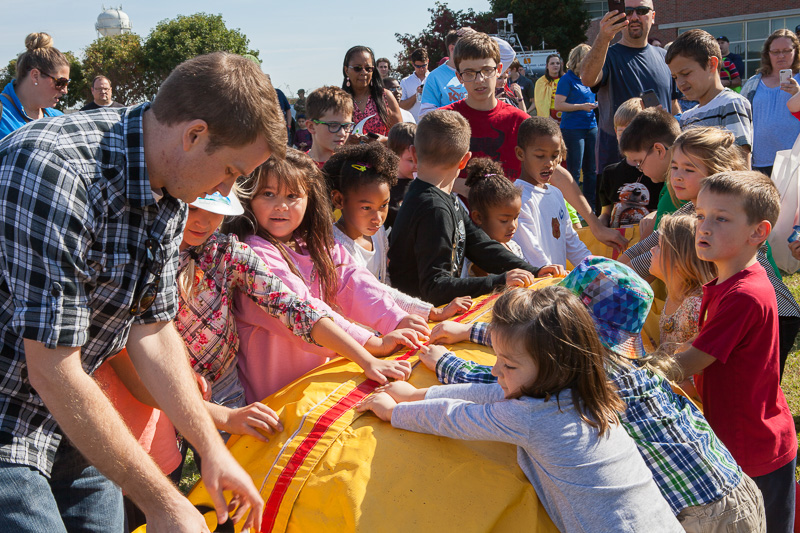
(42, 79)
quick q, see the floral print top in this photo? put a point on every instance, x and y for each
(205, 320)
(374, 124)
(681, 326)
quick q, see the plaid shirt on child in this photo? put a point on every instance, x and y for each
(697, 470)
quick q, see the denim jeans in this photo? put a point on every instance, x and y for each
(580, 156)
(77, 497)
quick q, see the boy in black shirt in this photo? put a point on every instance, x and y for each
(433, 233)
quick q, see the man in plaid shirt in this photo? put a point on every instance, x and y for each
(91, 217)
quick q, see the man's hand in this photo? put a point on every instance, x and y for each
(450, 332)
(519, 278)
(611, 24)
(221, 472)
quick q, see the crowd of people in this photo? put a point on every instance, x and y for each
(166, 266)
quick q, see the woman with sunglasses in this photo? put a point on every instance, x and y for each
(42, 78)
(370, 98)
(774, 128)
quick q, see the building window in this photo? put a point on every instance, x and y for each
(747, 37)
(596, 9)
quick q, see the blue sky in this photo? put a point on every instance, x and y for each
(302, 44)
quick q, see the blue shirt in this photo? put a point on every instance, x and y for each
(774, 127)
(442, 87)
(577, 93)
(627, 73)
(14, 115)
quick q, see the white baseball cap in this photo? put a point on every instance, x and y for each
(221, 205)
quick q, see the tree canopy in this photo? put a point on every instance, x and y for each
(121, 59)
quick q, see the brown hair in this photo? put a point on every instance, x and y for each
(714, 147)
(476, 45)
(100, 77)
(576, 56)
(766, 62)
(297, 173)
(759, 196)
(679, 255)
(442, 138)
(40, 54)
(449, 39)
(697, 45)
(231, 94)
(653, 125)
(328, 99)
(547, 71)
(627, 111)
(488, 186)
(556, 330)
(401, 136)
(420, 54)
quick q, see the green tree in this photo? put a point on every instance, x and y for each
(8, 73)
(174, 41)
(443, 19)
(562, 24)
(121, 59)
(76, 87)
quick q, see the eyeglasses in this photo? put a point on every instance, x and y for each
(424, 65)
(485, 72)
(640, 163)
(334, 127)
(154, 264)
(641, 11)
(59, 83)
(781, 52)
(359, 68)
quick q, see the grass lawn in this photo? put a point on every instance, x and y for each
(791, 375)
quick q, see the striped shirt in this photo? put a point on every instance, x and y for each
(640, 257)
(689, 463)
(76, 208)
(729, 111)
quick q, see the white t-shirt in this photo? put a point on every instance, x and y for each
(544, 231)
(409, 84)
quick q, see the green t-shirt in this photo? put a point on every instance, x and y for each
(665, 205)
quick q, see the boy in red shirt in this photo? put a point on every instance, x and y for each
(737, 347)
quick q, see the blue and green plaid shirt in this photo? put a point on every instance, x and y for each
(689, 463)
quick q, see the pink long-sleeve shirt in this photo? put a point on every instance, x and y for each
(269, 357)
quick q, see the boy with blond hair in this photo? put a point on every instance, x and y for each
(432, 234)
(738, 344)
(329, 119)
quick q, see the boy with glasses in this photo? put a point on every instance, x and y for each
(412, 84)
(329, 119)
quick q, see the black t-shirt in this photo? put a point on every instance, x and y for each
(396, 195)
(616, 175)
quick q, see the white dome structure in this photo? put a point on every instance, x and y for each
(113, 21)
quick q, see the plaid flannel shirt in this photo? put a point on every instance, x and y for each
(76, 208)
(689, 463)
(205, 319)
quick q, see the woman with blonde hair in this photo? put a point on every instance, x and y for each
(577, 103)
(42, 78)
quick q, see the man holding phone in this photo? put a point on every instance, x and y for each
(625, 70)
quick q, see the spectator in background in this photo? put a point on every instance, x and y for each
(545, 88)
(578, 122)
(42, 78)
(774, 128)
(516, 74)
(384, 67)
(102, 94)
(302, 137)
(625, 70)
(393, 86)
(300, 103)
(728, 58)
(286, 110)
(371, 100)
(655, 41)
(412, 84)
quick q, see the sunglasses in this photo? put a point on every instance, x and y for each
(334, 127)
(154, 264)
(59, 83)
(641, 11)
(358, 68)
(424, 65)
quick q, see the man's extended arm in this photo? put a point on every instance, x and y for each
(592, 66)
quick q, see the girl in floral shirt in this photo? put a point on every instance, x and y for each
(212, 266)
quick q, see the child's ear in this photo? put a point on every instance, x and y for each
(311, 127)
(662, 150)
(464, 161)
(760, 232)
(713, 63)
(519, 152)
(413, 152)
(338, 199)
(476, 217)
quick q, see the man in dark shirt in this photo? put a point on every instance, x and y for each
(101, 91)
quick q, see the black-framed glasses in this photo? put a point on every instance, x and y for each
(59, 83)
(154, 265)
(485, 72)
(334, 127)
(640, 10)
(358, 68)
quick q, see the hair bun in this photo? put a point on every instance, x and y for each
(35, 41)
(482, 168)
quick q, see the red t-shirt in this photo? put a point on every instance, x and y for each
(494, 133)
(742, 398)
(796, 115)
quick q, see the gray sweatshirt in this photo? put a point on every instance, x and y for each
(584, 483)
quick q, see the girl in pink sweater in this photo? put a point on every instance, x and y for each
(288, 224)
